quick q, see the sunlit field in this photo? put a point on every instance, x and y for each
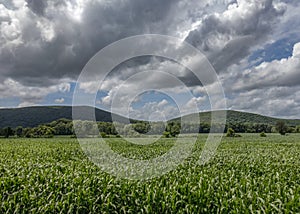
(247, 175)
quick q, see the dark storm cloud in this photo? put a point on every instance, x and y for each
(37, 6)
(8, 4)
(39, 60)
(45, 43)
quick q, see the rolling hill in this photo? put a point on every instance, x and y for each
(244, 117)
(34, 116)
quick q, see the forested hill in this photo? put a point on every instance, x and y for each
(34, 116)
(236, 117)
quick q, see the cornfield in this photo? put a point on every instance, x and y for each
(247, 175)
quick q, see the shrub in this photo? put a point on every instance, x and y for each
(230, 133)
(262, 134)
(166, 134)
(103, 135)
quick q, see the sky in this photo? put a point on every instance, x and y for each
(252, 45)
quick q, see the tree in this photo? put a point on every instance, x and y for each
(7, 131)
(43, 131)
(19, 131)
(173, 128)
(86, 128)
(297, 129)
(142, 127)
(28, 132)
(281, 127)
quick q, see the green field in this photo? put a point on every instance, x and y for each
(247, 175)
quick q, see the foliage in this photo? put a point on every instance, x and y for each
(166, 134)
(139, 128)
(297, 129)
(86, 128)
(40, 115)
(142, 127)
(42, 131)
(8, 131)
(103, 135)
(173, 128)
(30, 117)
(262, 134)
(281, 127)
(19, 131)
(230, 133)
(249, 174)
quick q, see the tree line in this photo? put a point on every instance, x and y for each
(138, 128)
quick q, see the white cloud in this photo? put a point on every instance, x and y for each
(60, 100)
(46, 28)
(28, 95)
(296, 50)
(197, 100)
(154, 111)
(26, 104)
(284, 72)
(162, 103)
(230, 36)
(276, 101)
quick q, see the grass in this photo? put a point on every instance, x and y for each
(247, 175)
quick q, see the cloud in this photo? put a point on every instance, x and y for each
(284, 72)
(45, 44)
(276, 101)
(29, 95)
(155, 111)
(43, 41)
(38, 7)
(195, 100)
(60, 100)
(229, 37)
(271, 88)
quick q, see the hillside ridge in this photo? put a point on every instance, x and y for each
(234, 116)
(37, 115)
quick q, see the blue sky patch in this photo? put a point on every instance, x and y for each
(278, 50)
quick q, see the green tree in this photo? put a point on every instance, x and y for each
(86, 128)
(281, 127)
(297, 129)
(19, 131)
(173, 128)
(28, 132)
(43, 131)
(8, 131)
(142, 127)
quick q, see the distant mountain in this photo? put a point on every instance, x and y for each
(244, 117)
(34, 116)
